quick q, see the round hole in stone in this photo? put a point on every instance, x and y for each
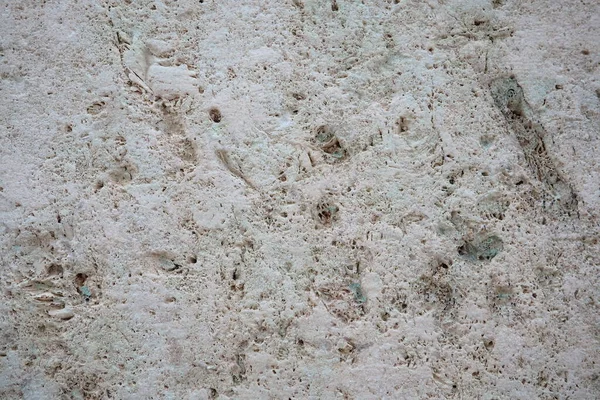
(215, 115)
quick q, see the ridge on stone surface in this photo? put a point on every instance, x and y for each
(299, 199)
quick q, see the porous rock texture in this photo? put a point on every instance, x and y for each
(303, 199)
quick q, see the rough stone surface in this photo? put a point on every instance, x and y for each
(300, 199)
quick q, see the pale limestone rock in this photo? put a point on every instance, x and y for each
(243, 199)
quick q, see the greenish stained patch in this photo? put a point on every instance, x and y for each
(85, 291)
(490, 247)
(486, 141)
(324, 136)
(338, 153)
(359, 297)
(482, 249)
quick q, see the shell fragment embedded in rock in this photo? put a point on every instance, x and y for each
(45, 297)
(63, 313)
